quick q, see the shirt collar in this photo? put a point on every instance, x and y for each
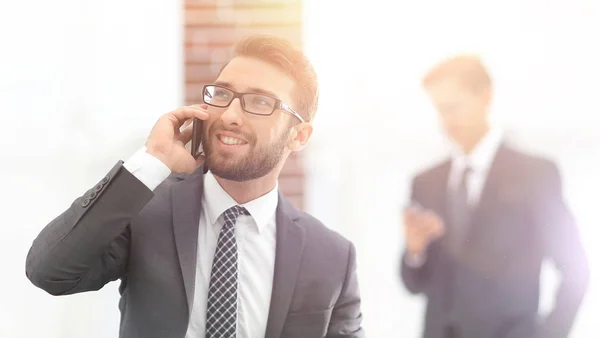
(480, 159)
(216, 200)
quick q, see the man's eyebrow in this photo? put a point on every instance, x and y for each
(262, 91)
(222, 83)
(254, 90)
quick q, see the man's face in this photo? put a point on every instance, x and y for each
(240, 146)
(463, 112)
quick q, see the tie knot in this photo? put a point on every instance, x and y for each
(232, 213)
(467, 171)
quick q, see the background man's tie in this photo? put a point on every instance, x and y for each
(460, 213)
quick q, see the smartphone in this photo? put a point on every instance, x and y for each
(196, 148)
(414, 205)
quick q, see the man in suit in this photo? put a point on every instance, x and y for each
(209, 247)
(482, 221)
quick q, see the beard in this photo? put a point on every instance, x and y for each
(256, 163)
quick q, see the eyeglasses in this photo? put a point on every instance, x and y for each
(257, 104)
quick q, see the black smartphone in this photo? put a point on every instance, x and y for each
(196, 148)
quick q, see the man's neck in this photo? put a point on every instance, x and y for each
(244, 192)
(469, 145)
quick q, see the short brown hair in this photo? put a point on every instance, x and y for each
(468, 69)
(282, 54)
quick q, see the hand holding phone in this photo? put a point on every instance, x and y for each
(421, 227)
(167, 139)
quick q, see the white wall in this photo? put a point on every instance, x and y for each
(81, 84)
(375, 128)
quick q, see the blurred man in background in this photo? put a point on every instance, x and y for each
(482, 221)
(210, 248)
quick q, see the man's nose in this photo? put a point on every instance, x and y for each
(233, 113)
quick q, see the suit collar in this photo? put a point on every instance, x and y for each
(216, 200)
(482, 156)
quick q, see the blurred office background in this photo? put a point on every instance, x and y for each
(82, 82)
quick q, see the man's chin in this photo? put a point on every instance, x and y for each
(228, 174)
(220, 165)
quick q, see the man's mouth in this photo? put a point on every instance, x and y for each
(231, 141)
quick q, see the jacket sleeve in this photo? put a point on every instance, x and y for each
(415, 276)
(87, 245)
(346, 317)
(562, 244)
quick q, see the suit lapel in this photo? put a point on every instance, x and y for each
(187, 197)
(288, 255)
(489, 192)
(440, 193)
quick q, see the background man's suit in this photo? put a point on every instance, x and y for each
(490, 289)
(121, 230)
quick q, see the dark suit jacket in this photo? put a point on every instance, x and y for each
(491, 288)
(121, 230)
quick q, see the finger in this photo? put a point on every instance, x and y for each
(429, 214)
(186, 123)
(432, 218)
(418, 231)
(203, 106)
(180, 115)
(437, 232)
(438, 224)
(441, 230)
(411, 223)
(430, 229)
(408, 214)
(411, 215)
(186, 134)
(426, 231)
(416, 222)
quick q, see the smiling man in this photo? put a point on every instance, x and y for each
(209, 247)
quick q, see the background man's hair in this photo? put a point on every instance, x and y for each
(468, 69)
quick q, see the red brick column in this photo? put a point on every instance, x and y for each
(211, 29)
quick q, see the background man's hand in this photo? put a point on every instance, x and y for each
(421, 227)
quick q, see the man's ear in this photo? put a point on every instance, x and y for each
(299, 136)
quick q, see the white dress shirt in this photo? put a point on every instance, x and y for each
(479, 161)
(255, 237)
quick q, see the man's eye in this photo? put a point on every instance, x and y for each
(262, 102)
(221, 94)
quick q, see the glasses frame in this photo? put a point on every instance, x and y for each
(278, 103)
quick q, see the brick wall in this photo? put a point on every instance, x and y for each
(211, 29)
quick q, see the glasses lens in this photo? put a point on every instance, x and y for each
(259, 104)
(217, 96)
